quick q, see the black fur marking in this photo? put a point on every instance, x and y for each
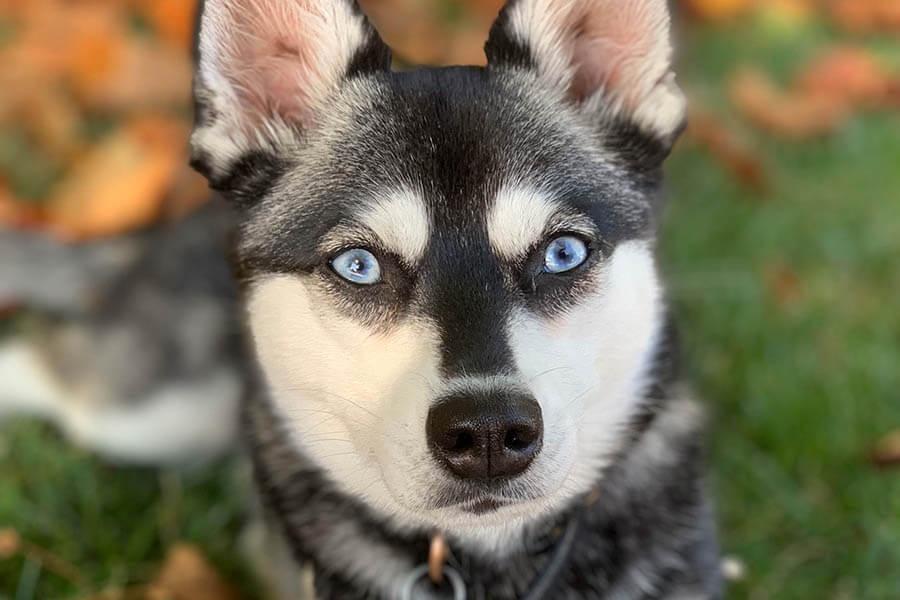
(502, 47)
(374, 55)
(640, 151)
(250, 177)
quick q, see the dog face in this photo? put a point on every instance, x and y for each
(448, 273)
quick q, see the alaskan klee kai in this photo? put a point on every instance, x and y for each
(450, 286)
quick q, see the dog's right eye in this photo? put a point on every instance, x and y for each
(357, 266)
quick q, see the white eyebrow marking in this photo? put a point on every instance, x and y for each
(518, 220)
(400, 220)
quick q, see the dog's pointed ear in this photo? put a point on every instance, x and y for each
(266, 68)
(611, 57)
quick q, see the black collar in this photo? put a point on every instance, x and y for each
(559, 550)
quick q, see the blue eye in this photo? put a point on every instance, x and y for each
(564, 254)
(357, 266)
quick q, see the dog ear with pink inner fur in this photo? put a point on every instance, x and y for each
(266, 68)
(611, 57)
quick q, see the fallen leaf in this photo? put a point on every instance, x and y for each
(724, 146)
(789, 12)
(54, 122)
(121, 183)
(717, 10)
(419, 34)
(846, 74)
(142, 74)
(187, 192)
(863, 16)
(173, 19)
(784, 284)
(10, 542)
(886, 452)
(17, 214)
(187, 575)
(790, 115)
(485, 9)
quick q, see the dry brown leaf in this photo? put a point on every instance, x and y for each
(717, 10)
(187, 192)
(887, 451)
(866, 15)
(15, 213)
(725, 146)
(789, 11)
(187, 575)
(486, 10)
(173, 19)
(419, 35)
(847, 74)
(121, 183)
(68, 37)
(789, 115)
(10, 542)
(54, 122)
(142, 74)
(784, 284)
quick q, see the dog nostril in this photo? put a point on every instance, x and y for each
(462, 441)
(517, 440)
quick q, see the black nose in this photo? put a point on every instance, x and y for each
(485, 436)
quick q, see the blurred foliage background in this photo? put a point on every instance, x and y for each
(781, 245)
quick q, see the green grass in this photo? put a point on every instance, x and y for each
(800, 382)
(112, 523)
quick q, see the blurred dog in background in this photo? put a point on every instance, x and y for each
(135, 348)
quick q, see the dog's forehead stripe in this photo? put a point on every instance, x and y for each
(518, 220)
(400, 220)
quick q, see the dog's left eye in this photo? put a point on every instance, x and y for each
(357, 266)
(564, 254)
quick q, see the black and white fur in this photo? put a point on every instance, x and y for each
(456, 179)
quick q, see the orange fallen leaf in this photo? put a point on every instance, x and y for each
(784, 284)
(484, 9)
(187, 192)
(717, 10)
(887, 451)
(16, 214)
(10, 542)
(141, 74)
(724, 146)
(121, 183)
(173, 19)
(790, 115)
(54, 122)
(419, 34)
(847, 74)
(789, 11)
(187, 575)
(866, 15)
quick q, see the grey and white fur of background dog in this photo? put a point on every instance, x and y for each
(133, 348)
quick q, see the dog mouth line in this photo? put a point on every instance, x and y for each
(478, 503)
(483, 506)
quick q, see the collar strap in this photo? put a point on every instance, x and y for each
(545, 580)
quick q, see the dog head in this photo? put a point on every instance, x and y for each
(448, 273)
